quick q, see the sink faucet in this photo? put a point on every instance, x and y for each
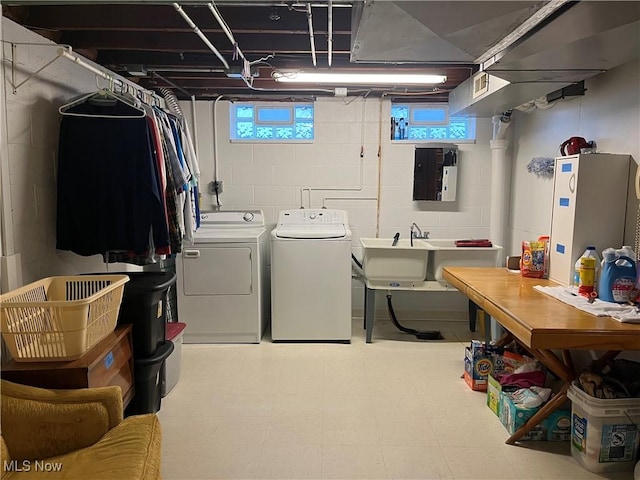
(417, 233)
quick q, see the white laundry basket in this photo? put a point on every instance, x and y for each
(604, 432)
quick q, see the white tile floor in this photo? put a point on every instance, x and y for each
(396, 409)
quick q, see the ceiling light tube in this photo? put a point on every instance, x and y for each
(359, 78)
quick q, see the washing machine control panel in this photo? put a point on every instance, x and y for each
(232, 218)
(312, 216)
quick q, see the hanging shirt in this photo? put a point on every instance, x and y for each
(108, 188)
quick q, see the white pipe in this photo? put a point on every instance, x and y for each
(202, 36)
(313, 42)
(225, 29)
(359, 188)
(330, 30)
(500, 184)
(215, 138)
(195, 124)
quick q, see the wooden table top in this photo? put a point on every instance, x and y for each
(538, 320)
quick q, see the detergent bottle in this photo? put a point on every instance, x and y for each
(586, 269)
(625, 251)
(617, 278)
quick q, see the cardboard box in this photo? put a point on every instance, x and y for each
(478, 364)
(555, 428)
(493, 395)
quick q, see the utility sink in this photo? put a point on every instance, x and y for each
(400, 264)
(444, 253)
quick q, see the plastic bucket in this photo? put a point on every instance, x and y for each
(171, 369)
(604, 432)
(144, 305)
(148, 381)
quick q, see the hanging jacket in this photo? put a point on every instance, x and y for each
(108, 185)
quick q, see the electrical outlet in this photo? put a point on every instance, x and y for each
(215, 187)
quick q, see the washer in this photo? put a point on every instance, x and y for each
(311, 276)
(223, 279)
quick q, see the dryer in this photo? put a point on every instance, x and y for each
(311, 276)
(223, 279)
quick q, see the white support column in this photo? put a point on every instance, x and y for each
(500, 184)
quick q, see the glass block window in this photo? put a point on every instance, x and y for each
(429, 122)
(271, 122)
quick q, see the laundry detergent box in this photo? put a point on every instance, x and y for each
(478, 364)
(555, 428)
(494, 389)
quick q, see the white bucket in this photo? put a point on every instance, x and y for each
(604, 432)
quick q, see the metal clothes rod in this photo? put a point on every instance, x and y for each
(62, 52)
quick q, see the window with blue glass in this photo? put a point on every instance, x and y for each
(271, 122)
(429, 122)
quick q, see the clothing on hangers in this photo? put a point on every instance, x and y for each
(103, 103)
(127, 179)
(108, 189)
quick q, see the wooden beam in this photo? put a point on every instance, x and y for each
(164, 17)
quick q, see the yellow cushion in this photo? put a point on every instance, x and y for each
(130, 451)
(4, 456)
(39, 423)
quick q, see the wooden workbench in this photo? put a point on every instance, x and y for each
(542, 324)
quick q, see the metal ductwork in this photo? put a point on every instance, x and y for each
(552, 44)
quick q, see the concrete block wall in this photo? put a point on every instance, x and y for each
(29, 156)
(273, 177)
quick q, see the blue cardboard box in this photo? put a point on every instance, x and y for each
(555, 428)
(478, 364)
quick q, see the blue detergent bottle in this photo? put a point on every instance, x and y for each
(617, 279)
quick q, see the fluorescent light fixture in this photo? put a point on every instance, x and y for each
(359, 78)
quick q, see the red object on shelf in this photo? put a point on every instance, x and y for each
(482, 242)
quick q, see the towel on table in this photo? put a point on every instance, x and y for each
(621, 312)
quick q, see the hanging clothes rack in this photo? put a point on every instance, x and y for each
(147, 95)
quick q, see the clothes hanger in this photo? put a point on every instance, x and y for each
(104, 96)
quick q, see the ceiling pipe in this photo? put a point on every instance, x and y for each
(226, 30)
(198, 32)
(166, 80)
(330, 30)
(313, 42)
(186, 69)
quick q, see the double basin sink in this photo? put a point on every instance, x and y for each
(405, 263)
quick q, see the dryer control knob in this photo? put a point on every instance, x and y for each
(312, 216)
(247, 217)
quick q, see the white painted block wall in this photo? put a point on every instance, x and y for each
(29, 153)
(271, 176)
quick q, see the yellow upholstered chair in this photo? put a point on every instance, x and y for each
(75, 434)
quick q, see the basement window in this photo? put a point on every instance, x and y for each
(271, 122)
(425, 122)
